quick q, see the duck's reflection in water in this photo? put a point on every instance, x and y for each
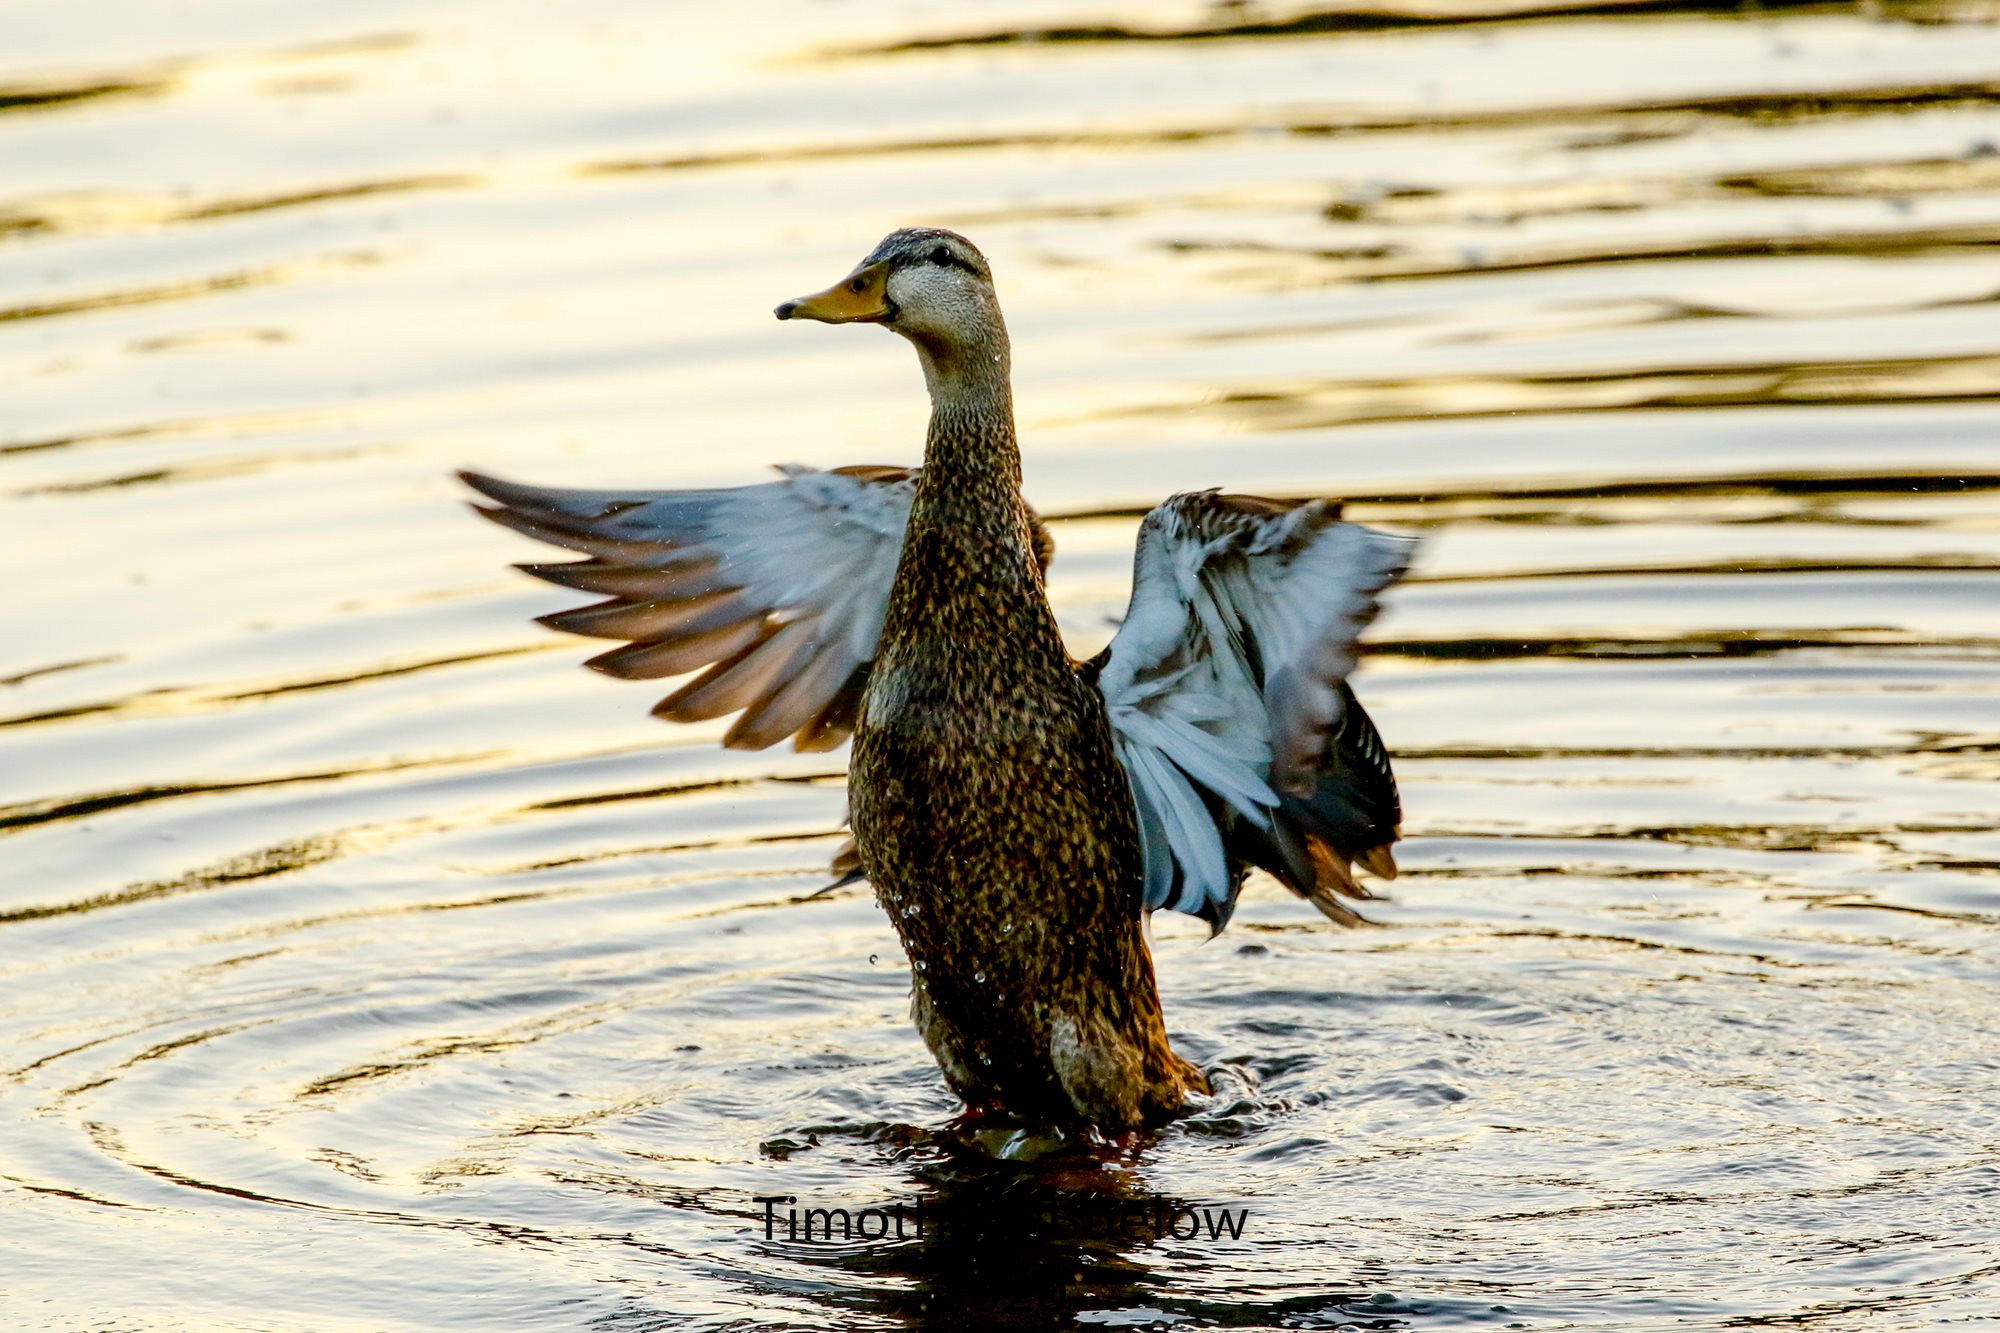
(997, 1244)
(1072, 1239)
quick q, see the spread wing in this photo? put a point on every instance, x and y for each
(774, 592)
(1227, 692)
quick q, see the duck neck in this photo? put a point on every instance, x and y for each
(971, 455)
(968, 588)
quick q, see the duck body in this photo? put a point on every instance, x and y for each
(994, 821)
(1018, 813)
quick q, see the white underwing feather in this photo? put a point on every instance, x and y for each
(779, 588)
(1225, 677)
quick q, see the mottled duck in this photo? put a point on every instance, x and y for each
(1017, 812)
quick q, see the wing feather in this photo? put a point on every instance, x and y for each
(1227, 691)
(677, 657)
(775, 592)
(778, 590)
(679, 580)
(654, 621)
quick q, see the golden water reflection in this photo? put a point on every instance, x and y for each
(364, 963)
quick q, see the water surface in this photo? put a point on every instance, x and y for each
(364, 964)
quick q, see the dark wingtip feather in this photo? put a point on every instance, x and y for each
(534, 526)
(496, 488)
(1333, 909)
(836, 720)
(562, 573)
(676, 657)
(1378, 861)
(709, 695)
(575, 620)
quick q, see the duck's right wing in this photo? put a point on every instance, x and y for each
(778, 590)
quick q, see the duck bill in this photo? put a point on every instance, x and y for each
(862, 295)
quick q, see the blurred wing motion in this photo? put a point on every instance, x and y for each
(1227, 692)
(778, 590)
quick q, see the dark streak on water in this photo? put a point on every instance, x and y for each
(365, 964)
(1370, 20)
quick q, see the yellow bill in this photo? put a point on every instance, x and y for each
(861, 295)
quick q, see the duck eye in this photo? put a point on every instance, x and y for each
(940, 256)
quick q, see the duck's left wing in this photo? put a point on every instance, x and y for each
(1227, 691)
(778, 589)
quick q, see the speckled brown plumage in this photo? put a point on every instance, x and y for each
(992, 816)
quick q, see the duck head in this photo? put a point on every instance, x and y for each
(930, 285)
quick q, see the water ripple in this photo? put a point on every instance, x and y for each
(411, 978)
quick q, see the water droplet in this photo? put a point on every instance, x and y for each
(1006, 927)
(873, 959)
(921, 965)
